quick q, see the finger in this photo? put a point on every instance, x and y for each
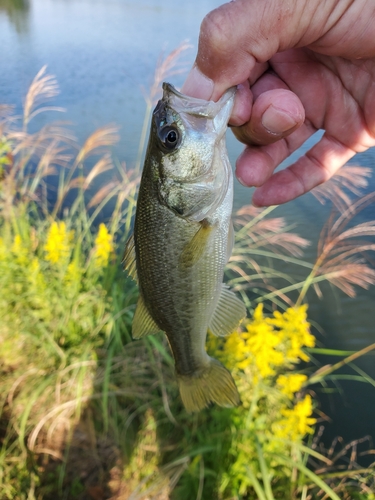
(315, 167)
(257, 163)
(275, 114)
(285, 111)
(242, 107)
(237, 35)
(328, 106)
(243, 100)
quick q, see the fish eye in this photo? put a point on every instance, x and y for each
(169, 137)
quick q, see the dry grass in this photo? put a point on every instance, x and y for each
(167, 67)
(94, 418)
(348, 180)
(51, 151)
(50, 412)
(260, 242)
(343, 252)
(42, 88)
(34, 156)
(341, 468)
(254, 230)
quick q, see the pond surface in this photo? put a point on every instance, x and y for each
(103, 52)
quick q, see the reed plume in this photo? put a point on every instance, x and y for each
(348, 180)
(166, 67)
(343, 252)
(259, 242)
(42, 88)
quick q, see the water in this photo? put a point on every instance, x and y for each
(102, 52)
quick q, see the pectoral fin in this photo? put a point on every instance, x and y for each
(143, 324)
(129, 259)
(194, 250)
(229, 313)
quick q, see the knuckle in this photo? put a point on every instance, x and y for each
(216, 30)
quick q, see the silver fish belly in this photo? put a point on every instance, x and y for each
(183, 238)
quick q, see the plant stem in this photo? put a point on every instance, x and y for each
(331, 368)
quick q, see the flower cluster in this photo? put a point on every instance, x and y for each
(262, 359)
(274, 413)
(55, 279)
(103, 246)
(294, 329)
(58, 244)
(269, 343)
(296, 421)
(291, 383)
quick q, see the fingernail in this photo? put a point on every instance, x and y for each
(241, 181)
(277, 121)
(198, 85)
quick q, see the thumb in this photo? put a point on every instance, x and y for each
(222, 60)
(237, 35)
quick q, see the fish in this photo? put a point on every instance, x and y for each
(183, 237)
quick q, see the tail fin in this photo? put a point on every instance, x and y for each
(213, 384)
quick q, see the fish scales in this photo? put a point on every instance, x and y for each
(180, 300)
(182, 242)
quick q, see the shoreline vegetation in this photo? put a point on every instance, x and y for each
(86, 413)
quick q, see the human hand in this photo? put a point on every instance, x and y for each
(300, 66)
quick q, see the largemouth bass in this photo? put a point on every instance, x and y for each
(183, 238)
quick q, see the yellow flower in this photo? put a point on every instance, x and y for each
(235, 350)
(294, 329)
(297, 421)
(257, 346)
(268, 344)
(290, 384)
(58, 246)
(262, 343)
(103, 246)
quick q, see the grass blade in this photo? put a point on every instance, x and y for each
(310, 474)
(265, 473)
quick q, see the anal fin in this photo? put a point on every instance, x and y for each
(143, 324)
(229, 313)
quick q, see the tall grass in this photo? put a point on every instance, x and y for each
(86, 412)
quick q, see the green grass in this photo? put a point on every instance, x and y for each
(85, 412)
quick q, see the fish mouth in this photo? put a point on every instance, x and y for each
(192, 105)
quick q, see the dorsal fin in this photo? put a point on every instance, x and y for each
(229, 313)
